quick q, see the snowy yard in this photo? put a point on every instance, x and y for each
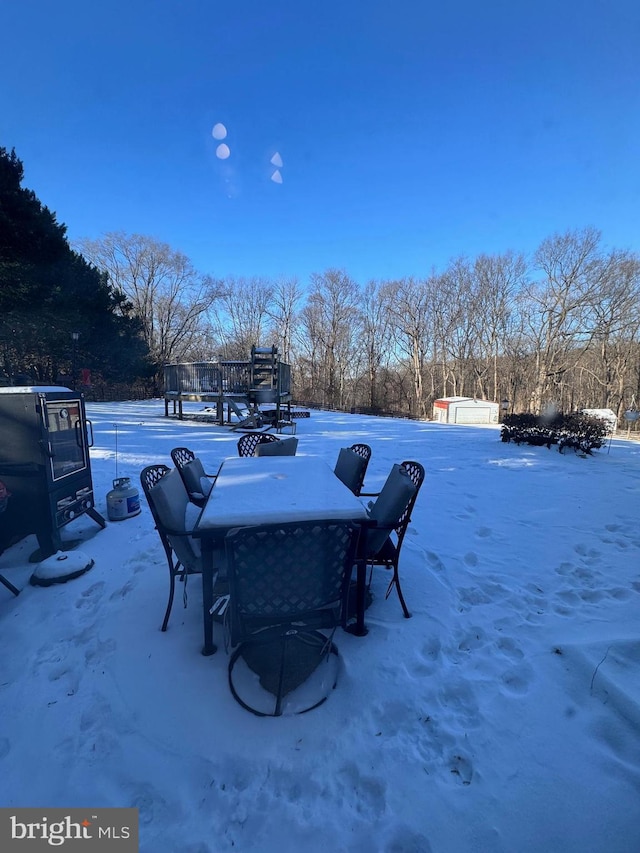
(504, 716)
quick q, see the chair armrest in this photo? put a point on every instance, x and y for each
(171, 532)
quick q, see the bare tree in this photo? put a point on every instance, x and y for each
(377, 340)
(412, 322)
(286, 296)
(329, 330)
(557, 308)
(168, 295)
(458, 339)
(242, 314)
(499, 278)
(616, 330)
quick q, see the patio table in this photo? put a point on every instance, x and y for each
(267, 490)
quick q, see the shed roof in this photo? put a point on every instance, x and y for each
(464, 400)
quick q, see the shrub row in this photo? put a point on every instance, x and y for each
(583, 433)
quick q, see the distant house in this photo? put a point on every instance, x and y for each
(465, 410)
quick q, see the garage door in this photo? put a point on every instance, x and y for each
(472, 415)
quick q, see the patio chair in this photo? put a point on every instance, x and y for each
(248, 442)
(391, 514)
(284, 447)
(197, 483)
(351, 466)
(288, 586)
(169, 504)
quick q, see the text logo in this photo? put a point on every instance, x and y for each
(33, 830)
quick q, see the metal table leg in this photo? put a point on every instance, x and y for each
(209, 648)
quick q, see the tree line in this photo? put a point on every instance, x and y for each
(560, 326)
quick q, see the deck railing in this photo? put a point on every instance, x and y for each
(223, 377)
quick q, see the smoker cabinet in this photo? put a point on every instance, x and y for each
(44, 464)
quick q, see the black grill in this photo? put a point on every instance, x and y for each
(44, 464)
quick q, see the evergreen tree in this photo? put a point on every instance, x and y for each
(48, 291)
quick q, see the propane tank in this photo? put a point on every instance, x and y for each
(123, 501)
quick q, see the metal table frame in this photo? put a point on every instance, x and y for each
(265, 490)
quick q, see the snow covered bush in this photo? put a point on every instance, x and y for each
(583, 433)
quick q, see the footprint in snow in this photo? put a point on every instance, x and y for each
(434, 561)
(461, 769)
(474, 638)
(428, 658)
(589, 555)
(123, 591)
(517, 679)
(509, 648)
(405, 840)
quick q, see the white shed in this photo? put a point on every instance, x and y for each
(607, 415)
(465, 410)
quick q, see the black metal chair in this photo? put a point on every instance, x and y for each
(196, 481)
(391, 514)
(168, 501)
(351, 466)
(248, 442)
(288, 584)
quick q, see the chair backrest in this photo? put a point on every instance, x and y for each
(392, 508)
(281, 573)
(169, 502)
(284, 447)
(416, 472)
(150, 477)
(248, 442)
(182, 456)
(351, 468)
(362, 450)
(192, 473)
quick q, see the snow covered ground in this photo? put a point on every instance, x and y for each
(504, 716)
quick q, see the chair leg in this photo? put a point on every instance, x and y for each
(395, 581)
(170, 604)
(9, 585)
(283, 659)
(277, 686)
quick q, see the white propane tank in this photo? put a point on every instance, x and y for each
(123, 501)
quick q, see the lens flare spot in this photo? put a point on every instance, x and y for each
(276, 177)
(219, 131)
(222, 152)
(276, 160)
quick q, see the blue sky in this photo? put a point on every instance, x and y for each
(408, 134)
